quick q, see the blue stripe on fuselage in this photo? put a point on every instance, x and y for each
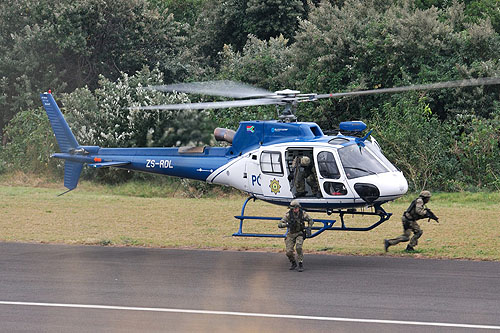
(168, 161)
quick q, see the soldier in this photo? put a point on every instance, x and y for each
(295, 220)
(415, 211)
(308, 173)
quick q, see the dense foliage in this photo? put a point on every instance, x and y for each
(103, 117)
(96, 54)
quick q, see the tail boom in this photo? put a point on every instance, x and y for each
(175, 162)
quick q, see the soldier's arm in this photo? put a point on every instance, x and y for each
(309, 220)
(420, 208)
(284, 221)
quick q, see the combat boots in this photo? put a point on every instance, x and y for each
(386, 245)
(294, 265)
(301, 268)
(409, 249)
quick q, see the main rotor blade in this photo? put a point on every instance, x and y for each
(449, 84)
(217, 88)
(211, 105)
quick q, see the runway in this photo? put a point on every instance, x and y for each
(60, 288)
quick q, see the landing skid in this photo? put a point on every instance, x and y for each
(327, 224)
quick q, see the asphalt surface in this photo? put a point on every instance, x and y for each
(60, 288)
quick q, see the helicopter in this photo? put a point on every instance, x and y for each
(350, 174)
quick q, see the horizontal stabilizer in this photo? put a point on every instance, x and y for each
(108, 164)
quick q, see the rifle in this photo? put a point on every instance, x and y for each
(429, 214)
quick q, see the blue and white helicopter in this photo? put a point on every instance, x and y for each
(351, 173)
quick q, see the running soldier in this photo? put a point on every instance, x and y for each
(415, 211)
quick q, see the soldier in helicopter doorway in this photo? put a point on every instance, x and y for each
(415, 211)
(295, 220)
(303, 170)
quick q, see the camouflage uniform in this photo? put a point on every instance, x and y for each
(295, 237)
(415, 211)
(308, 174)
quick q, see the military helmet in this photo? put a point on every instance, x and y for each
(425, 194)
(295, 203)
(305, 161)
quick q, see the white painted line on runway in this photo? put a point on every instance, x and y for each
(250, 314)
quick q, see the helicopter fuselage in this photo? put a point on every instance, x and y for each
(339, 184)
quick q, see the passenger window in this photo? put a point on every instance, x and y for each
(270, 162)
(333, 188)
(327, 165)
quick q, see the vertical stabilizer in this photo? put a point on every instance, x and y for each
(66, 140)
(64, 136)
(72, 172)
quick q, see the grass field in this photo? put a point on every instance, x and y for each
(469, 225)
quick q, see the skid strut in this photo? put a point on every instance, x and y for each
(327, 223)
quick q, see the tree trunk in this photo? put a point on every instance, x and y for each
(2, 132)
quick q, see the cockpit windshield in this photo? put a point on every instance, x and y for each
(359, 162)
(376, 150)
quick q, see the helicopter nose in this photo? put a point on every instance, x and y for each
(400, 183)
(367, 192)
(403, 186)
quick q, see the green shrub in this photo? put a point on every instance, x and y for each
(31, 143)
(414, 140)
(477, 152)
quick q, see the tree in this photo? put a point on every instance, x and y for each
(103, 117)
(220, 22)
(185, 11)
(378, 44)
(262, 64)
(272, 18)
(414, 139)
(27, 60)
(476, 153)
(32, 142)
(229, 22)
(67, 45)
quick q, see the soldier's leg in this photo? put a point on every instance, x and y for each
(313, 184)
(300, 184)
(299, 243)
(417, 232)
(402, 238)
(289, 244)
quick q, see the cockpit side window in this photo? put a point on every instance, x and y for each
(359, 162)
(327, 165)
